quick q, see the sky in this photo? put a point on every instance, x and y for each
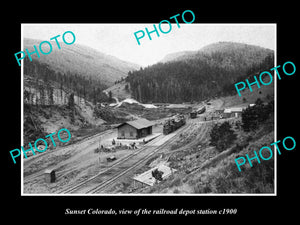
(118, 39)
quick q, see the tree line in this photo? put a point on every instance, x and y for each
(193, 79)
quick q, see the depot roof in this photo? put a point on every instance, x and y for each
(138, 124)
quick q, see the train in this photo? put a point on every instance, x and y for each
(193, 114)
(173, 124)
(201, 109)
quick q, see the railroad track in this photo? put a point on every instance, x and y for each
(73, 188)
(198, 139)
(33, 178)
(108, 176)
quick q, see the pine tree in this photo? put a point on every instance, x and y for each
(51, 97)
(110, 96)
(71, 105)
(253, 116)
(222, 136)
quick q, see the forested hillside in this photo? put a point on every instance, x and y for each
(195, 76)
(83, 61)
(84, 87)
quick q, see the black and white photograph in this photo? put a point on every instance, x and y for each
(143, 109)
(153, 112)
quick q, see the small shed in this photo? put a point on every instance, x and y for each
(50, 176)
(135, 129)
(146, 178)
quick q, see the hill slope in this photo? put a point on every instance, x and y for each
(82, 60)
(176, 56)
(230, 48)
(195, 76)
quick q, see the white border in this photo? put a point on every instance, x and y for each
(275, 114)
(187, 195)
(22, 113)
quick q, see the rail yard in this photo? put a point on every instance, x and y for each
(103, 164)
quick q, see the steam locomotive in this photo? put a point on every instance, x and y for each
(173, 124)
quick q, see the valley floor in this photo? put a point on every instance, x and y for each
(200, 168)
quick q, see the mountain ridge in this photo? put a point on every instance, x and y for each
(210, 49)
(82, 60)
(195, 76)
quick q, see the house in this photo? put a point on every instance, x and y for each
(219, 111)
(237, 112)
(135, 129)
(233, 112)
(226, 113)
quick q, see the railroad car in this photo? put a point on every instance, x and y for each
(193, 115)
(201, 110)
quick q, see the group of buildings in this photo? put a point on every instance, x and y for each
(141, 128)
(230, 112)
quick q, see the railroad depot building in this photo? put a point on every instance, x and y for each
(135, 129)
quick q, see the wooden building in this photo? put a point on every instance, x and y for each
(50, 176)
(237, 112)
(147, 179)
(233, 112)
(135, 129)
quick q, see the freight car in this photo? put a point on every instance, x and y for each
(193, 115)
(173, 124)
(201, 109)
